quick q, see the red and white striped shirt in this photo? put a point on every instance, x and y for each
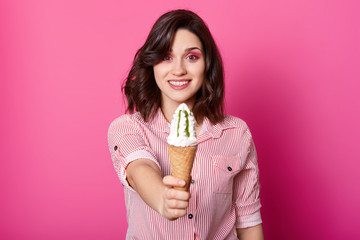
(225, 187)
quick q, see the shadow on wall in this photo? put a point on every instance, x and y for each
(274, 104)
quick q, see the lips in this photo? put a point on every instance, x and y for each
(179, 84)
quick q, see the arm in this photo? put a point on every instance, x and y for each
(247, 192)
(250, 233)
(136, 165)
(145, 178)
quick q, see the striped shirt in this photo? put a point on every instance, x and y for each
(225, 187)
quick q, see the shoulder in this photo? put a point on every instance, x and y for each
(236, 126)
(126, 118)
(125, 122)
(234, 122)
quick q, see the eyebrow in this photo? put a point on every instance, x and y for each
(192, 48)
(189, 49)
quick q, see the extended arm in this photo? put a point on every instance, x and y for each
(250, 233)
(145, 178)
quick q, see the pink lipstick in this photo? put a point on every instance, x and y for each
(179, 84)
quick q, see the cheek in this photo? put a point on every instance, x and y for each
(160, 71)
(199, 68)
(157, 74)
(156, 70)
(199, 71)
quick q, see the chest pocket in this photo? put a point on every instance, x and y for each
(225, 170)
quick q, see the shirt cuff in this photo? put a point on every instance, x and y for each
(141, 154)
(249, 220)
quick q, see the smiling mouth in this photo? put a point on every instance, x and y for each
(179, 83)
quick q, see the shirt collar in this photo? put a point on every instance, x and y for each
(208, 130)
(159, 122)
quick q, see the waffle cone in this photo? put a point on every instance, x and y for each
(181, 162)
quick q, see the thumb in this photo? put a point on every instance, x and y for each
(172, 181)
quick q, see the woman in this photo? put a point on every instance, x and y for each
(180, 63)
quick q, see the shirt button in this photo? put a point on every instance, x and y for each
(192, 181)
(190, 216)
(115, 148)
(229, 168)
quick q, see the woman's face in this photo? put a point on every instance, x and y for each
(181, 73)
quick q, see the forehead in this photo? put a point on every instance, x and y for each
(184, 40)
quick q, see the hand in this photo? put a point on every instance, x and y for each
(174, 202)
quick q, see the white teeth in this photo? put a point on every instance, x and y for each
(177, 83)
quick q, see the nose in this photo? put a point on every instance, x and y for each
(179, 68)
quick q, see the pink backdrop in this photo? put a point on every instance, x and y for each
(292, 72)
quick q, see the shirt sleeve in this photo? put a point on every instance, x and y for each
(127, 142)
(247, 186)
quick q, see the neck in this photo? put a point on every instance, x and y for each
(169, 109)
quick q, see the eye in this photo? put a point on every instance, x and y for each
(167, 58)
(192, 57)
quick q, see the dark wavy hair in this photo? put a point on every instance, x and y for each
(140, 88)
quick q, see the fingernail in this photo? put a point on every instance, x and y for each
(181, 182)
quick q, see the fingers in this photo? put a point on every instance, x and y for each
(175, 207)
(173, 214)
(171, 193)
(173, 181)
(175, 202)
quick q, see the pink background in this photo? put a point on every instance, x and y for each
(292, 73)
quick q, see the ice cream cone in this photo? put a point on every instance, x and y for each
(181, 162)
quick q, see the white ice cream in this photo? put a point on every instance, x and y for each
(182, 130)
